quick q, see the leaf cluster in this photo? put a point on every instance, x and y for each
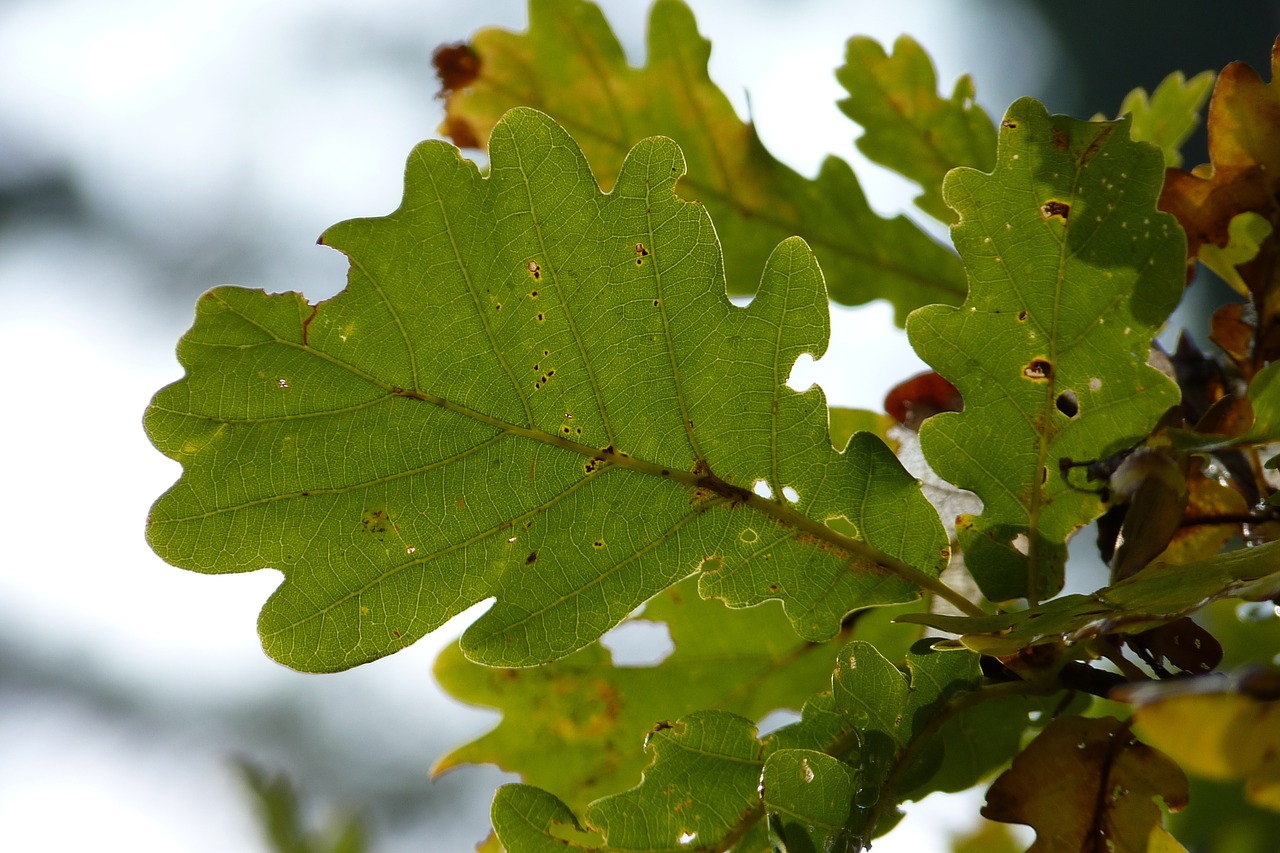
(535, 390)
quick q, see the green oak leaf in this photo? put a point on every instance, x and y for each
(905, 735)
(531, 820)
(698, 794)
(1072, 271)
(1155, 595)
(909, 127)
(571, 66)
(574, 727)
(1170, 114)
(810, 799)
(534, 392)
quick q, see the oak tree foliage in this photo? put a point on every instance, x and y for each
(536, 391)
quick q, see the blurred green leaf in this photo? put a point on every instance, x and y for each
(514, 361)
(571, 66)
(1072, 270)
(909, 128)
(1170, 114)
(284, 823)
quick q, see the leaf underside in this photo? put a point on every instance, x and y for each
(534, 392)
(1072, 271)
(570, 65)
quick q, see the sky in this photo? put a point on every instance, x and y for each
(151, 149)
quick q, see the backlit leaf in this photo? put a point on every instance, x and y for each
(571, 66)
(1072, 271)
(535, 392)
(909, 128)
(574, 727)
(809, 796)
(875, 713)
(1088, 785)
(700, 790)
(1170, 114)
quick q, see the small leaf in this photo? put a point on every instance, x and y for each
(574, 727)
(909, 128)
(699, 792)
(1087, 785)
(1170, 115)
(514, 359)
(530, 820)
(809, 795)
(1072, 271)
(571, 66)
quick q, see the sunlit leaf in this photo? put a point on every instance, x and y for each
(574, 727)
(1087, 784)
(1245, 235)
(809, 796)
(700, 790)
(515, 360)
(908, 126)
(571, 66)
(1072, 271)
(1170, 114)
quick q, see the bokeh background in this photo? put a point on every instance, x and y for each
(151, 149)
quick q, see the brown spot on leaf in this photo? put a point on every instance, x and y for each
(1038, 368)
(1050, 209)
(532, 558)
(1059, 139)
(535, 270)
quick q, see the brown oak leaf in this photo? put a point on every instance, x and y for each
(1088, 786)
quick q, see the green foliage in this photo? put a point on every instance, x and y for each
(571, 66)
(1073, 274)
(535, 390)
(909, 128)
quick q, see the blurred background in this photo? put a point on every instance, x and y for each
(152, 149)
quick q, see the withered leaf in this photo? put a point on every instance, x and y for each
(1089, 785)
